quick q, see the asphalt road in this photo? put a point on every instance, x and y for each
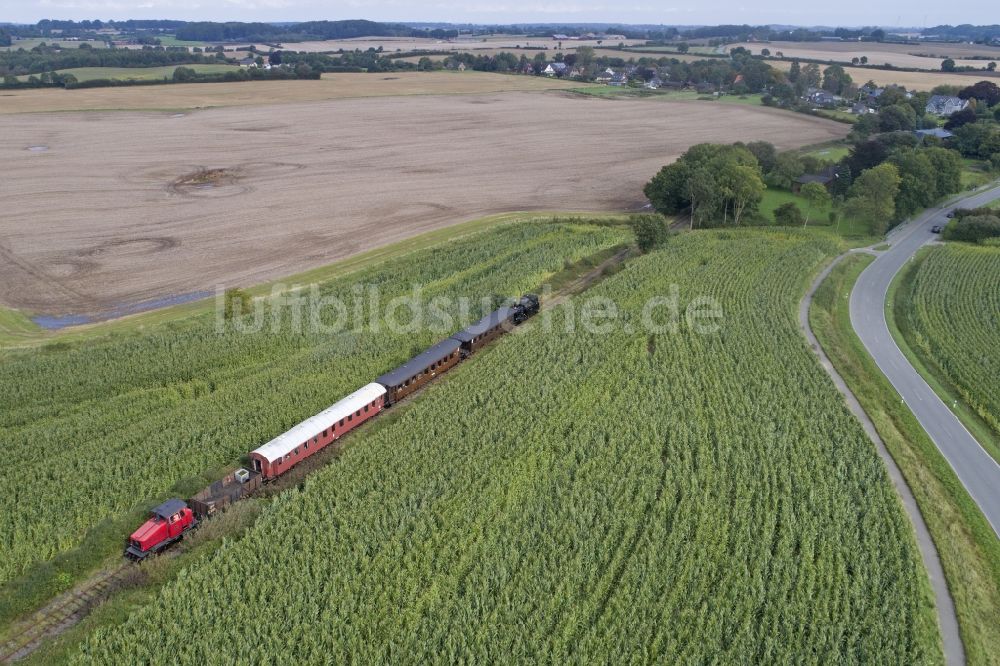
(977, 470)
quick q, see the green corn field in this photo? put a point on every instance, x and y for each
(573, 496)
(953, 316)
(95, 430)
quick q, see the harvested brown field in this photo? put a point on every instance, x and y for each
(102, 209)
(926, 56)
(911, 80)
(254, 93)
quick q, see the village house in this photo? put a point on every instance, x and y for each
(823, 98)
(555, 69)
(654, 83)
(605, 76)
(945, 105)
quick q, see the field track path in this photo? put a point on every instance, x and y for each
(954, 652)
(61, 613)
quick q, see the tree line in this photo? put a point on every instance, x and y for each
(44, 58)
(881, 181)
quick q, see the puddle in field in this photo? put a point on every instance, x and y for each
(178, 115)
(56, 322)
(37, 149)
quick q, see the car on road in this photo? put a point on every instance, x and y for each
(936, 229)
(950, 214)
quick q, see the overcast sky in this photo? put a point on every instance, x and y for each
(685, 12)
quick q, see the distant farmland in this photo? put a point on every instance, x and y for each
(331, 86)
(918, 56)
(911, 80)
(151, 205)
(139, 73)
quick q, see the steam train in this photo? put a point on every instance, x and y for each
(169, 522)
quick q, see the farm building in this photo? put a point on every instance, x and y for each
(555, 69)
(826, 177)
(937, 133)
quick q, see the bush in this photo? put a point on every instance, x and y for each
(650, 231)
(789, 214)
(973, 228)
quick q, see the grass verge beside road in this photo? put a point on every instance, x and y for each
(966, 544)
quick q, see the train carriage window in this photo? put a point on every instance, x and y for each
(350, 417)
(341, 423)
(366, 408)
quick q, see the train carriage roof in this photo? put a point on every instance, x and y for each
(419, 363)
(286, 442)
(484, 324)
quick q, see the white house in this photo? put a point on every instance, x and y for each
(945, 105)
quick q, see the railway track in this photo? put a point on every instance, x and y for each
(60, 614)
(70, 608)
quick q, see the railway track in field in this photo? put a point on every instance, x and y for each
(60, 614)
(70, 608)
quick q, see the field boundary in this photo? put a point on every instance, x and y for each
(954, 650)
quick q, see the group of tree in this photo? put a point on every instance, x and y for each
(921, 173)
(975, 225)
(881, 181)
(207, 31)
(714, 183)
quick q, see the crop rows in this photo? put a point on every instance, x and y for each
(90, 432)
(953, 316)
(585, 497)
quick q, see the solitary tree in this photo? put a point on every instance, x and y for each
(650, 231)
(873, 196)
(817, 196)
(948, 65)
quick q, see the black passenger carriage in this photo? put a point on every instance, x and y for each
(485, 330)
(419, 370)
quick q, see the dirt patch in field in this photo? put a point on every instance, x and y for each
(139, 207)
